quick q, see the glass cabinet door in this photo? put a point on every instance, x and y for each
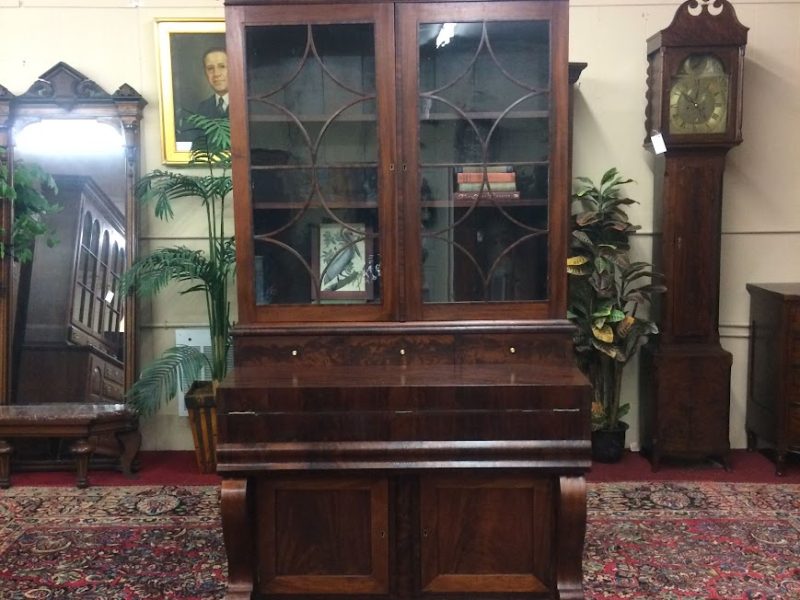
(482, 155)
(447, 201)
(315, 164)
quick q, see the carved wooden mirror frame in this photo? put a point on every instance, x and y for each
(62, 92)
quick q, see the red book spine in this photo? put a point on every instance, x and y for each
(491, 177)
(496, 187)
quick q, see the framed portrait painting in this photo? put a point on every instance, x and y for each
(193, 79)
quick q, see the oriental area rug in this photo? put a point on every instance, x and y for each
(659, 540)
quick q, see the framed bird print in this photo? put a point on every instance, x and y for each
(343, 262)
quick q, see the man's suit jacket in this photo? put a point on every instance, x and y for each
(208, 108)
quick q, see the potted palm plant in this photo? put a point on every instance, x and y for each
(208, 272)
(607, 292)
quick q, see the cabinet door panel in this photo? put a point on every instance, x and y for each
(477, 85)
(325, 536)
(319, 139)
(687, 422)
(485, 534)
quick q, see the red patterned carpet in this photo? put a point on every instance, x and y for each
(104, 543)
(668, 539)
(672, 540)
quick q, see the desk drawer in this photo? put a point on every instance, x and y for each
(113, 373)
(112, 391)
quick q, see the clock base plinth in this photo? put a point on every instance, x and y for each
(685, 402)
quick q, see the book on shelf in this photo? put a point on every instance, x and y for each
(461, 196)
(509, 186)
(491, 177)
(487, 168)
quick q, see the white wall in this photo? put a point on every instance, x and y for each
(113, 42)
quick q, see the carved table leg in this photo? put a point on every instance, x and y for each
(237, 530)
(5, 464)
(130, 441)
(82, 449)
(570, 534)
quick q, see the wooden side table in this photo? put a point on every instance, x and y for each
(773, 391)
(80, 422)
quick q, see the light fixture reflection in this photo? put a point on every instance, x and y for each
(73, 136)
(446, 33)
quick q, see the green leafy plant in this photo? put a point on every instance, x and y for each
(209, 272)
(607, 292)
(27, 194)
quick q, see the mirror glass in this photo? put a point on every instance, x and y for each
(70, 316)
(70, 322)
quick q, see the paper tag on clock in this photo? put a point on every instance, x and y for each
(659, 147)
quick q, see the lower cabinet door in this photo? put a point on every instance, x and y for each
(323, 535)
(486, 534)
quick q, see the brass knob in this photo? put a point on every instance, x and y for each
(295, 353)
(402, 351)
(512, 349)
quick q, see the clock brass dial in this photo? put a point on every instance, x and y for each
(698, 98)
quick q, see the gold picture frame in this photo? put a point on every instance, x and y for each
(183, 86)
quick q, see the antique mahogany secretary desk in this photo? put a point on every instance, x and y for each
(404, 419)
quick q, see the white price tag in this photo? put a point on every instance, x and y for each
(658, 143)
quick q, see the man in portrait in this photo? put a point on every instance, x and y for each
(215, 106)
(215, 66)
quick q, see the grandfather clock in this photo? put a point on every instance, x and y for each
(694, 104)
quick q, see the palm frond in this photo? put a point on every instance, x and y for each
(154, 272)
(159, 380)
(215, 134)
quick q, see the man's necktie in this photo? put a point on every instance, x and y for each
(221, 106)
